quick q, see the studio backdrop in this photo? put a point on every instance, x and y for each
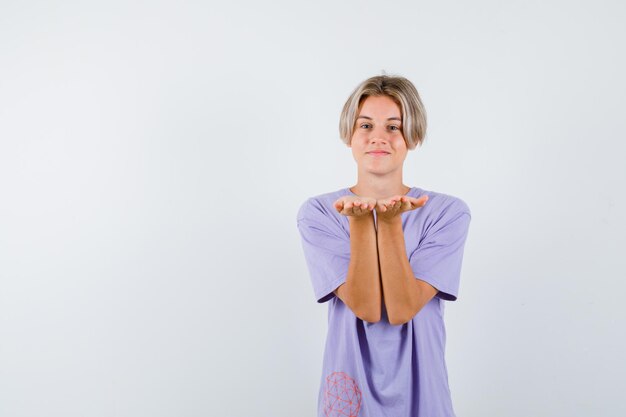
(153, 156)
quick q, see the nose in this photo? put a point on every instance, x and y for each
(379, 136)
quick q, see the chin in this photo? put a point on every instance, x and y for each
(378, 171)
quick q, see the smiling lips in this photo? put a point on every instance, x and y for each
(378, 153)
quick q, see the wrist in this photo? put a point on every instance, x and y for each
(390, 221)
(364, 218)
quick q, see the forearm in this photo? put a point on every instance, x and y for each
(363, 280)
(398, 282)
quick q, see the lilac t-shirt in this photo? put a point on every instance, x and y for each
(378, 369)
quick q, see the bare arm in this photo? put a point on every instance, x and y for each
(404, 294)
(362, 290)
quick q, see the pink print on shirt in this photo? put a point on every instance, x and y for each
(342, 397)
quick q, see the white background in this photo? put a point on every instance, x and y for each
(153, 156)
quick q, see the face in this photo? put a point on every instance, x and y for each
(379, 128)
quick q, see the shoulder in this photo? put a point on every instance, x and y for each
(320, 207)
(441, 204)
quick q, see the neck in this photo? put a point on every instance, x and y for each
(379, 189)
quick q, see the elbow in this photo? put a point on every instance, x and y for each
(404, 315)
(370, 318)
(398, 322)
(372, 315)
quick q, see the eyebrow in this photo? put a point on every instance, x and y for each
(367, 117)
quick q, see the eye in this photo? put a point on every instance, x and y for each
(365, 124)
(396, 127)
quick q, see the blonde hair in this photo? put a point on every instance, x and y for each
(402, 92)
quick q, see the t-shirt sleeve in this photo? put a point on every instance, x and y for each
(326, 248)
(439, 255)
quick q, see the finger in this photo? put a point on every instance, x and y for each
(417, 202)
(420, 202)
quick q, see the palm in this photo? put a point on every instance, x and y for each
(355, 206)
(391, 207)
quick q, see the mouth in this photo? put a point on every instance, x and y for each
(378, 153)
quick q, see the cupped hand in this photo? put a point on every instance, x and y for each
(354, 205)
(391, 207)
